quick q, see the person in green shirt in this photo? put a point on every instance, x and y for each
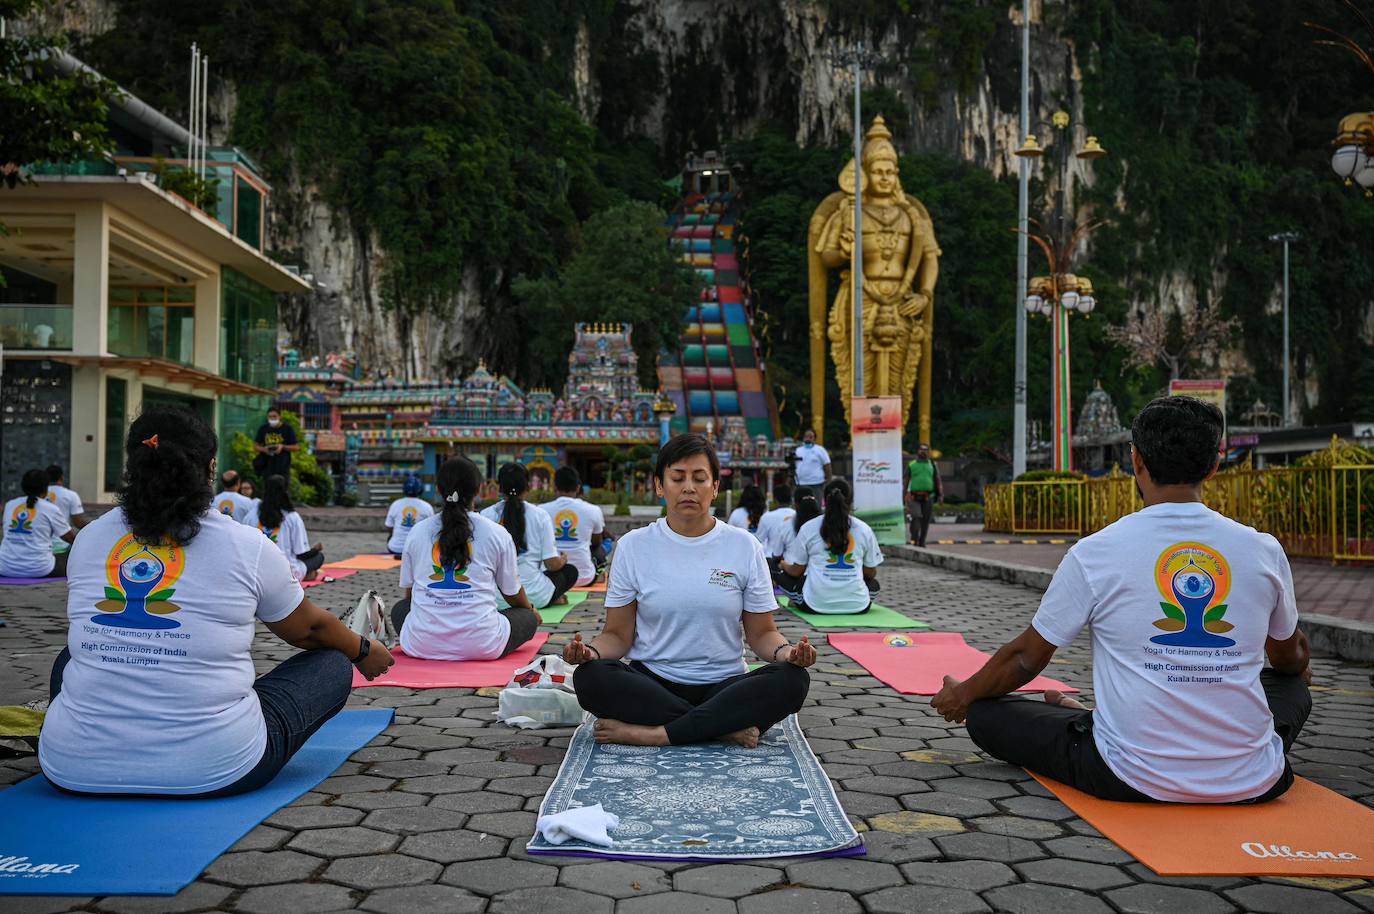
(923, 489)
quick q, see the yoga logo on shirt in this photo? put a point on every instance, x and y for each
(270, 532)
(1194, 580)
(408, 517)
(565, 526)
(226, 506)
(452, 577)
(51, 496)
(21, 520)
(139, 585)
(845, 560)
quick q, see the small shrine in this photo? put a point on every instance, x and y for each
(1099, 439)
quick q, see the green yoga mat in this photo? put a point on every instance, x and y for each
(877, 616)
(554, 614)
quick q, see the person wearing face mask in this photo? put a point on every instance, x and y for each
(686, 595)
(274, 443)
(813, 462)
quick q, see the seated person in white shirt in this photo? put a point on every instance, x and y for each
(772, 522)
(578, 525)
(230, 500)
(67, 501)
(1183, 605)
(276, 516)
(837, 555)
(685, 596)
(804, 508)
(545, 572)
(31, 525)
(405, 512)
(172, 588)
(458, 569)
(752, 506)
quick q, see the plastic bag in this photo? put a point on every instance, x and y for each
(540, 694)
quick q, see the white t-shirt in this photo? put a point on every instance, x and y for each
(453, 611)
(158, 696)
(770, 529)
(69, 503)
(539, 546)
(811, 464)
(574, 522)
(740, 518)
(26, 549)
(690, 593)
(234, 505)
(835, 583)
(290, 537)
(1180, 713)
(402, 517)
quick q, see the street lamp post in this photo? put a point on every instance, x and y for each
(857, 58)
(1061, 293)
(1286, 238)
(1018, 414)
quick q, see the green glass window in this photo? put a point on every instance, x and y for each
(248, 331)
(157, 321)
(248, 218)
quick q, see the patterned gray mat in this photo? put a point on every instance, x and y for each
(710, 801)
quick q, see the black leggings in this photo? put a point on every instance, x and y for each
(59, 568)
(523, 622)
(313, 559)
(921, 509)
(1058, 742)
(634, 694)
(563, 580)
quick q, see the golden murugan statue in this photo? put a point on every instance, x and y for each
(900, 265)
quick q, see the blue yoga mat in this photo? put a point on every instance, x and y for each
(121, 846)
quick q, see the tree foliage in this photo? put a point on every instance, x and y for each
(48, 115)
(622, 271)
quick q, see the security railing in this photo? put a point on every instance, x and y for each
(1324, 509)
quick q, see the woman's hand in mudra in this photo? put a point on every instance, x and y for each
(801, 654)
(377, 661)
(576, 651)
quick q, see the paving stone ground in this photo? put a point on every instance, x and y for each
(433, 815)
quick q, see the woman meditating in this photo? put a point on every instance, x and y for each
(544, 571)
(805, 507)
(839, 556)
(275, 515)
(678, 594)
(752, 507)
(31, 525)
(456, 569)
(154, 693)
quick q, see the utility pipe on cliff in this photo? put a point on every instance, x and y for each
(1018, 416)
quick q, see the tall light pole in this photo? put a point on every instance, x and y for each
(857, 58)
(1018, 415)
(1286, 238)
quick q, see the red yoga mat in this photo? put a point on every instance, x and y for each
(410, 672)
(592, 588)
(916, 663)
(1309, 831)
(329, 571)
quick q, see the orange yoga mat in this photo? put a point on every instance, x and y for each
(592, 588)
(1309, 831)
(371, 563)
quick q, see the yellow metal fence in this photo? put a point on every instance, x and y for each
(1318, 511)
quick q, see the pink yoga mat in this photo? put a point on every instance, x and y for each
(329, 571)
(916, 663)
(453, 674)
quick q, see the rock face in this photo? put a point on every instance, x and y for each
(724, 67)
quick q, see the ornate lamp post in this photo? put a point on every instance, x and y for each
(1062, 293)
(663, 411)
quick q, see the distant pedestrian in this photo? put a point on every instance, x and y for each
(923, 490)
(274, 443)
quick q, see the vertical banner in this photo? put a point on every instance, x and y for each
(877, 440)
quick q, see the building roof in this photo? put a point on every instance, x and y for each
(167, 213)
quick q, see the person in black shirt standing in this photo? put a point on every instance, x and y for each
(274, 443)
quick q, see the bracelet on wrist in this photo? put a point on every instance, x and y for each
(778, 648)
(592, 648)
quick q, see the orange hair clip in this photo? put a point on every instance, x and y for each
(151, 442)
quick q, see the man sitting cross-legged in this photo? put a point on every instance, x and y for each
(1183, 604)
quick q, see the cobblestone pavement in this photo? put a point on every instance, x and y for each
(434, 814)
(1330, 590)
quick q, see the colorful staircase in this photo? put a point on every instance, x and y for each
(718, 375)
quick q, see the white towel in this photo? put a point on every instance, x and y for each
(583, 823)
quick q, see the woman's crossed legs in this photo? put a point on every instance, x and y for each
(634, 705)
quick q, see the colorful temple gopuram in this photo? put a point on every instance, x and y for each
(375, 433)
